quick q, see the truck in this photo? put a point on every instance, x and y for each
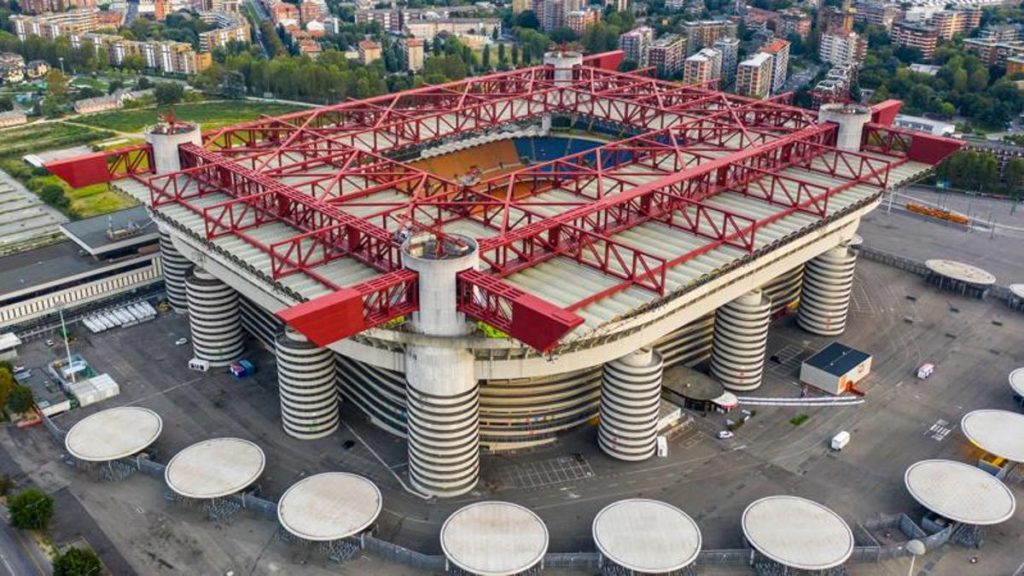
(840, 440)
(198, 365)
(242, 368)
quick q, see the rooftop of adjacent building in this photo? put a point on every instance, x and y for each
(837, 359)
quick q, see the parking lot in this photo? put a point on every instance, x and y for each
(898, 318)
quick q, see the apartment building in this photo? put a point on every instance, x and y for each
(754, 75)
(704, 33)
(919, 36)
(793, 21)
(412, 48)
(427, 29)
(878, 13)
(949, 23)
(51, 26)
(729, 48)
(634, 44)
(666, 54)
(841, 47)
(994, 53)
(230, 28)
(552, 13)
(369, 51)
(578, 20)
(164, 55)
(703, 67)
(778, 50)
(44, 6)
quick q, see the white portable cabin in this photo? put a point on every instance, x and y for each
(836, 369)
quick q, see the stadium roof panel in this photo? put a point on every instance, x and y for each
(647, 536)
(717, 177)
(797, 532)
(960, 492)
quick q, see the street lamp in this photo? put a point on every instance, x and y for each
(916, 548)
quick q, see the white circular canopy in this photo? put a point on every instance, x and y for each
(215, 468)
(960, 271)
(494, 538)
(997, 432)
(960, 492)
(1017, 381)
(797, 532)
(329, 506)
(113, 433)
(646, 536)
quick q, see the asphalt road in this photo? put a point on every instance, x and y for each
(16, 557)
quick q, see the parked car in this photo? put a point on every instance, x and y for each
(49, 342)
(181, 341)
(725, 434)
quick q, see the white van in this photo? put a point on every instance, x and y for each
(925, 371)
(839, 441)
(198, 365)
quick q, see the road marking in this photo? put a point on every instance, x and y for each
(8, 564)
(31, 556)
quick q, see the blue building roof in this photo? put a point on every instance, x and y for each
(837, 359)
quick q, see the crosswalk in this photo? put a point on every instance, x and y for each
(939, 430)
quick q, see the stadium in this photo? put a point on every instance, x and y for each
(492, 262)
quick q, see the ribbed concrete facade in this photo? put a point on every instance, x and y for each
(630, 398)
(214, 319)
(825, 296)
(307, 387)
(741, 337)
(444, 421)
(176, 267)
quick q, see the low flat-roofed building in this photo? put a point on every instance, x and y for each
(89, 268)
(836, 369)
(9, 343)
(922, 124)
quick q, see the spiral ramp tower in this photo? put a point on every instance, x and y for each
(825, 296)
(630, 398)
(214, 319)
(176, 267)
(741, 337)
(307, 386)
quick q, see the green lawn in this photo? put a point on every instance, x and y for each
(209, 115)
(38, 137)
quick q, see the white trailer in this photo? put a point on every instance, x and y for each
(840, 440)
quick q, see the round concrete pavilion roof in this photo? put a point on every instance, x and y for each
(998, 432)
(494, 538)
(1017, 381)
(960, 492)
(329, 506)
(960, 271)
(113, 433)
(1017, 290)
(215, 468)
(646, 536)
(797, 532)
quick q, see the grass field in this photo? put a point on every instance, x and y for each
(38, 137)
(208, 114)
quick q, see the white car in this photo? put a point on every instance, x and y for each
(49, 342)
(725, 434)
(181, 341)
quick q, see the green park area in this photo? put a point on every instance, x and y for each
(209, 115)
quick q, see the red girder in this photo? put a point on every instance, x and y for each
(314, 169)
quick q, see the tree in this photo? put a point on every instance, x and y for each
(1013, 174)
(6, 103)
(527, 19)
(77, 562)
(6, 384)
(485, 59)
(114, 86)
(168, 93)
(30, 509)
(515, 54)
(20, 399)
(53, 195)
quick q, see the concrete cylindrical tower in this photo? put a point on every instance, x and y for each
(851, 119)
(175, 268)
(741, 337)
(443, 393)
(165, 139)
(825, 295)
(563, 63)
(630, 398)
(214, 319)
(307, 386)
